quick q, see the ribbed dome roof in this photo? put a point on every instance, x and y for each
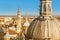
(44, 27)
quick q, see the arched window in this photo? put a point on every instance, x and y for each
(44, 7)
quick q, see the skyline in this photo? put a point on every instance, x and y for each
(27, 7)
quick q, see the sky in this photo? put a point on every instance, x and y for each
(27, 7)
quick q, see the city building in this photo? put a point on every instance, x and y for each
(15, 25)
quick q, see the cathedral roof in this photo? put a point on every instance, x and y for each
(41, 24)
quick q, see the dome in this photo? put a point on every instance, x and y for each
(44, 27)
(7, 35)
(26, 23)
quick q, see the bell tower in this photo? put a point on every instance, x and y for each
(19, 22)
(45, 8)
(18, 13)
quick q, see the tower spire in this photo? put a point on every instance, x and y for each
(18, 12)
(45, 8)
(19, 21)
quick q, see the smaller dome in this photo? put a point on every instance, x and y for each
(7, 36)
(26, 23)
